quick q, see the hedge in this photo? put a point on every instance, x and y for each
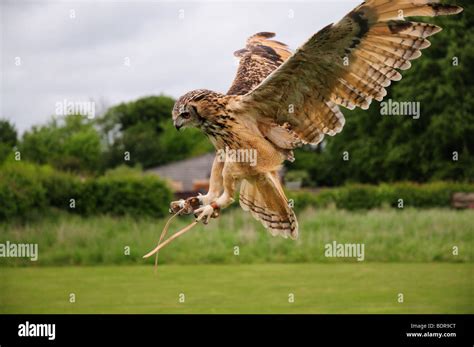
(138, 196)
(21, 191)
(27, 188)
(403, 194)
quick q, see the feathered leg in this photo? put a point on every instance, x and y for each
(229, 182)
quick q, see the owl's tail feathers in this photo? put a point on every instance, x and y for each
(264, 198)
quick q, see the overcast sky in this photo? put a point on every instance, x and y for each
(79, 50)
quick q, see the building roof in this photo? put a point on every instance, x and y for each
(187, 171)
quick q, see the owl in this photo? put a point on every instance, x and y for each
(281, 100)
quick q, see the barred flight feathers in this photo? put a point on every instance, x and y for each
(346, 64)
(257, 60)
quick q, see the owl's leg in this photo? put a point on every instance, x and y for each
(204, 213)
(227, 197)
(215, 183)
(215, 188)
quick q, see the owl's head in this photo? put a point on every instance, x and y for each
(194, 108)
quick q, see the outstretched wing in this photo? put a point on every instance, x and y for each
(257, 60)
(349, 64)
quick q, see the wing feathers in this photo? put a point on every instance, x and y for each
(375, 40)
(366, 86)
(404, 52)
(402, 40)
(397, 27)
(257, 60)
(399, 10)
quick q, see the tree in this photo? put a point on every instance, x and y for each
(68, 143)
(8, 139)
(144, 130)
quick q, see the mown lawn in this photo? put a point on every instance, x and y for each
(257, 288)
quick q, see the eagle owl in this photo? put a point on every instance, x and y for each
(281, 100)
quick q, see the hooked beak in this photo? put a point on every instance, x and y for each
(178, 124)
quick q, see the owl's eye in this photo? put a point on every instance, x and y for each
(185, 115)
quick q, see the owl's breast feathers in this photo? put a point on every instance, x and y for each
(221, 130)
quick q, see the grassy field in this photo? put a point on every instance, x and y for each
(389, 236)
(409, 252)
(259, 288)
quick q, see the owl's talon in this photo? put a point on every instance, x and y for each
(176, 206)
(185, 207)
(205, 213)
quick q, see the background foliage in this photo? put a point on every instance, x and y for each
(399, 148)
(144, 128)
(70, 143)
(28, 190)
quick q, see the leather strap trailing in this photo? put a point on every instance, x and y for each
(182, 207)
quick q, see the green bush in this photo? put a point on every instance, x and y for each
(436, 194)
(134, 195)
(26, 188)
(301, 199)
(86, 198)
(21, 192)
(124, 170)
(60, 187)
(357, 196)
(296, 176)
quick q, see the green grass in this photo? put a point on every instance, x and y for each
(407, 252)
(258, 288)
(389, 235)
